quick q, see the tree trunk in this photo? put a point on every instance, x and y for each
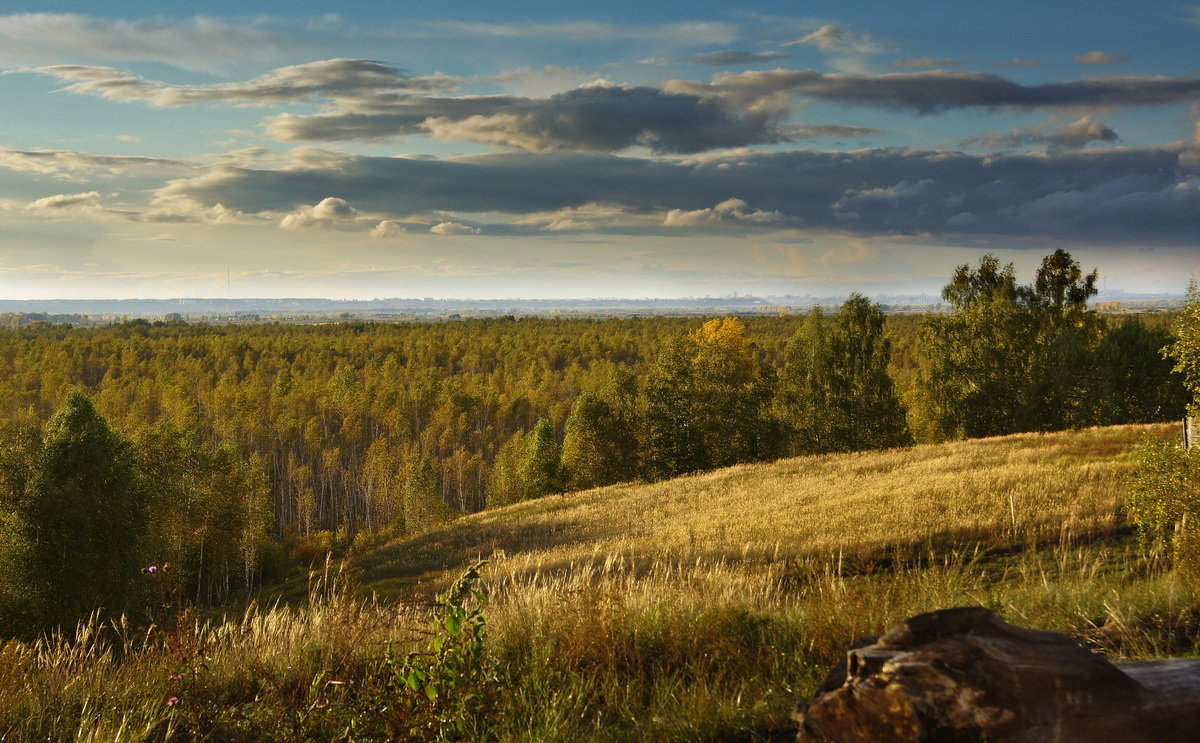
(961, 675)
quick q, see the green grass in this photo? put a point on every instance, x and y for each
(697, 609)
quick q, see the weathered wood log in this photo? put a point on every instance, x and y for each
(964, 674)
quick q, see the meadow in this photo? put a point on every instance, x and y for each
(700, 608)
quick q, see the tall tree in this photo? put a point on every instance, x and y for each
(1134, 382)
(599, 447)
(85, 517)
(541, 470)
(1010, 358)
(706, 401)
(835, 391)
(424, 505)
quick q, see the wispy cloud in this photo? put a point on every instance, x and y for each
(1018, 62)
(721, 58)
(201, 42)
(74, 165)
(62, 201)
(1053, 133)
(930, 63)
(330, 79)
(690, 32)
(1100, 58)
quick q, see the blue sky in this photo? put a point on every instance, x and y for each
(477, 149)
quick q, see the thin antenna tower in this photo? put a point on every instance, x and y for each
(228, 289)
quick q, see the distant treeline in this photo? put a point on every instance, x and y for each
(371, 429)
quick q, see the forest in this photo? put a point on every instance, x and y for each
(216, 457)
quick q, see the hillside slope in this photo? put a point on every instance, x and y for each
(998, 490)
(698, 609)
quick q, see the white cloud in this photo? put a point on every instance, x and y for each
(326, 213)
(454, 228)
(201, 42)
(930, 63)
(1098, 58)
(73, 165)
(65, 201)
(730, 210)
(387, 228)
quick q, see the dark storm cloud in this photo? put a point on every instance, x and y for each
(368, 100)
(592, 118)
(1144, 194)
(941, 90)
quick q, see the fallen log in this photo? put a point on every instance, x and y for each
(964, 674)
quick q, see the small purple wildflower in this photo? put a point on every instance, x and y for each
(172, 701)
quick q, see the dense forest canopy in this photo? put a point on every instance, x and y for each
(241, 447)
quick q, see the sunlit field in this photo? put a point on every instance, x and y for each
(700, 608)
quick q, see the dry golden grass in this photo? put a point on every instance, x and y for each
(1005, 489)
(696, 609)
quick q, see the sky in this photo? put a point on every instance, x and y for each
(624, 149)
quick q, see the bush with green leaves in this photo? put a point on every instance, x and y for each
(1164, 500)
(450, 688)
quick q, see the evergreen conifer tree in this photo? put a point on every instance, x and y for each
(85, 517)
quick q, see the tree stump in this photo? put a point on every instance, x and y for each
(964, 674)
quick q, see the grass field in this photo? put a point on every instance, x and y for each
(696, 609)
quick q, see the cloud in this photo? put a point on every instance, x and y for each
(72, 165)
(329, 78)
(453, 228)
(1018, 62)
(730, 210)
(1151, 195)
(65, 201)
(833, 38)
(599, 117)
(686, 32)
(850, 49)
(722, 58)
(387, 228)
(796, 131)
(368, 100)
(928, 63)
(1078, 133)
(1099, 58)
(938, 90)
(197, 43)
(326, 213)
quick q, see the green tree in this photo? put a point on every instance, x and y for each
(599, 447)
(706, 402)
(1011, 358)
(209, 510)
(424, 505)
(1134, 382)
(1186, 348)
(85, 518)
(541, 470)
(835, 391)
